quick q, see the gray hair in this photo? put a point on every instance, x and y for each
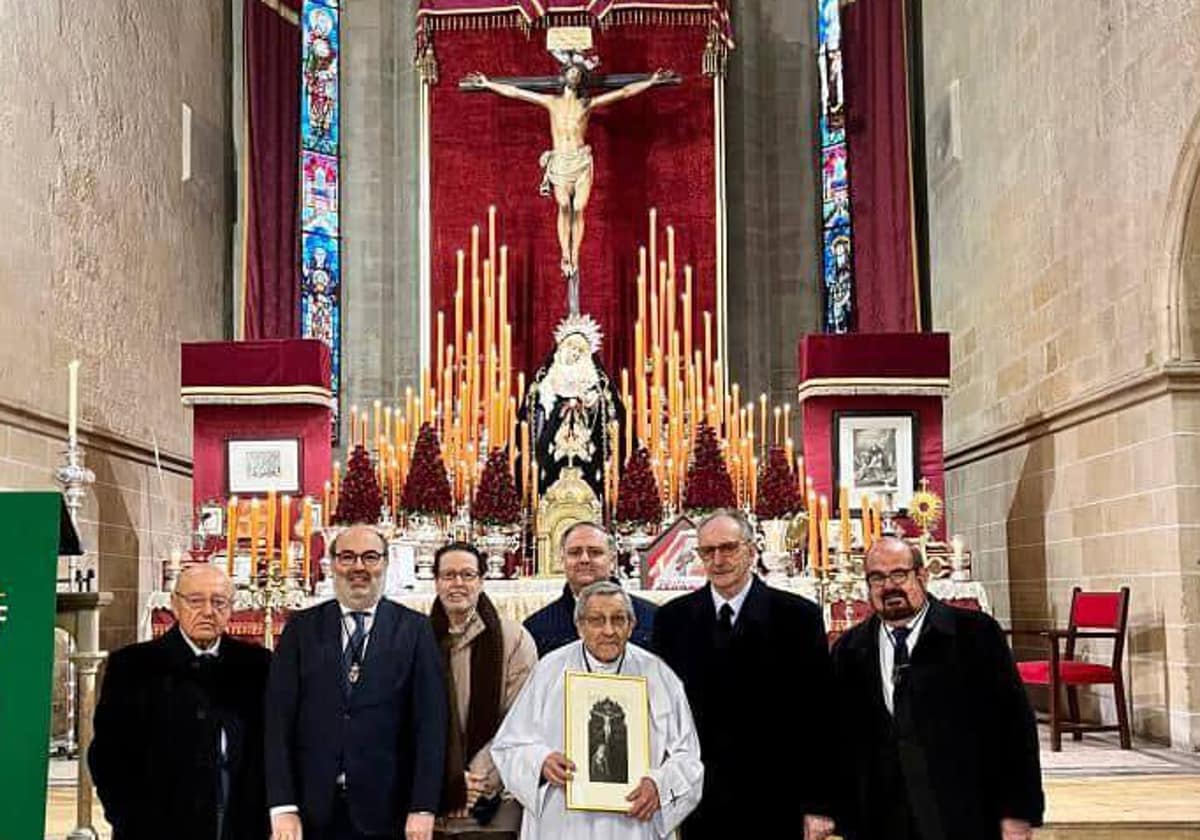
(603, 588)
(609, 539)
(744, 526)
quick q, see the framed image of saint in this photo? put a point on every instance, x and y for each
(607, 722)
(253, 467)
(874, 454)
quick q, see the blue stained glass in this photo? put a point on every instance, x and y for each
(837, 274)
(320, 274)
(319, 105)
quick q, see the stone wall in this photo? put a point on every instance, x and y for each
(1055, 234)
(112, 258)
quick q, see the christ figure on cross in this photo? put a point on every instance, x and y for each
(567, 166)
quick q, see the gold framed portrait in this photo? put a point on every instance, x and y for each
(607, 722)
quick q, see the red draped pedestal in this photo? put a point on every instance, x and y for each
(874, 372)
(655, 150)
(257, 390)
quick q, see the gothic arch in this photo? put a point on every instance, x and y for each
(1178, 299)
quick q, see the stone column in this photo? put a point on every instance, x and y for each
(79, 612)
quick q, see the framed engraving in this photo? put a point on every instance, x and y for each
(607, 723)
(874, 453)
(252, 467)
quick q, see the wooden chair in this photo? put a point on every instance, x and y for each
(1094, 615)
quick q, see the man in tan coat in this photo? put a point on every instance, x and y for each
(487, 659)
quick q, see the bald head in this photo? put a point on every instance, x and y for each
(202, 602)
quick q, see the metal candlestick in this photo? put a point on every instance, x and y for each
(75, 480)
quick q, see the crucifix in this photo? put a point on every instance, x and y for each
(567, 165)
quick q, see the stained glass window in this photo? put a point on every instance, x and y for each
(320, 254)
(837, 266)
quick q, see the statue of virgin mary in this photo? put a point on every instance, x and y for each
(571, 405)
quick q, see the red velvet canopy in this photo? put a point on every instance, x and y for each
(652, 151)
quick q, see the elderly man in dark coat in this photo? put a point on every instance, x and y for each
(939, 734)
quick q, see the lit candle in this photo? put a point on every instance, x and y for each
(787, 419)
(458, 303)
(474, 282)
(824, 532)
(441, 344)
(285, 532)
(72, 401)
(353, 426)
(231, 529)
(708, 356)
(253, 536)
(270, 526)
(762, 410)
(325, 511)
(306, 538)
(814, 545)
(778, 422)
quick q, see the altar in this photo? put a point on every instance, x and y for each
(518, 599)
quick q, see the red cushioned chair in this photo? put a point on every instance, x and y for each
(1094, 615)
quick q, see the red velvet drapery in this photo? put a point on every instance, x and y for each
(652, 151)
(272, 65)
(877, 106)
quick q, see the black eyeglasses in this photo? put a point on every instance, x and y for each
(347, 559)
(895, 577)
(466, 575)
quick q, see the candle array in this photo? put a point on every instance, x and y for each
(470, 395)
(270, 523)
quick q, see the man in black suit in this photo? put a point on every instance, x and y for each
(177, 750)
(747, 652)
(356, 721)
(589, 554)
(942, 741)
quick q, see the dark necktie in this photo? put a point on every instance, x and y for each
(900, 646)
(352, 655)
(723, 634)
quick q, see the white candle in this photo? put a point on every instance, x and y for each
(72, 401)
(957, 544)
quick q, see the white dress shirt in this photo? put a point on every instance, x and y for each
(887, 652)
(735, 603)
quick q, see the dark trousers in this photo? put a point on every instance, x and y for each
(342, 827)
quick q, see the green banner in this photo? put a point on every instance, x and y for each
(34, 523)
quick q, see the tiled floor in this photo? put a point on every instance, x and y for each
(1094, 791)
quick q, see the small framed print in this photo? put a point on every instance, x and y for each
(607, 724)
(254, 467)
(874, 454)
(211, 521)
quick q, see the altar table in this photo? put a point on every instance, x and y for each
(517, 599)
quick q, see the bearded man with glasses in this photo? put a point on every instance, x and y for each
(747, 652)
(487, 659)
(356, 725)
(942, 740)
(179, 727)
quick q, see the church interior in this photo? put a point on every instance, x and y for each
(482, 269)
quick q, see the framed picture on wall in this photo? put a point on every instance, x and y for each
(252, 467)
(875, 454)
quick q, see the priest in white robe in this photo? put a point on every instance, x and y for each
(528, 749)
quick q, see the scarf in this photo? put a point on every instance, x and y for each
(483, 708)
